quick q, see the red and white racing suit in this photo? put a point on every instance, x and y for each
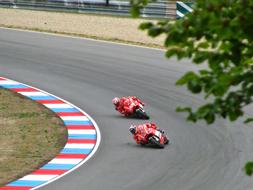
(127, 105)
(142, 131)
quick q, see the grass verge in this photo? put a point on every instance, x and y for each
(30, 136)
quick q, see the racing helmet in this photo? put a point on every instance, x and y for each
(115, 101)
(132, 129)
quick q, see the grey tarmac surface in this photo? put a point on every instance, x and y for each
(89, 74)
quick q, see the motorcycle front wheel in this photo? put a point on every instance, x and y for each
(141, 114)
(153, 141)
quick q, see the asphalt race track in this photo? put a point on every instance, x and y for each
(89, 74)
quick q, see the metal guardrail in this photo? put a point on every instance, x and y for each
(183, 8)
(160, 9)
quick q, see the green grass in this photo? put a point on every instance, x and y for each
(30, 136)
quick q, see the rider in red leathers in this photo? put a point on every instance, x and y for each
(140, 131)
(126, 105)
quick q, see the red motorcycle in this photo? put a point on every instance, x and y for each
(155, 137)
(137, 111)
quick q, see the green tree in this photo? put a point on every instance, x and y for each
(219, 33)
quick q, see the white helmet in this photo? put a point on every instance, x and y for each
(115, 101)
(132, 129)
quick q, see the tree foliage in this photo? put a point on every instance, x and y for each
(220, 34)
(248, 168)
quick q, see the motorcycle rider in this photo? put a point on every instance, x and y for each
(140, 131)
(126, 105)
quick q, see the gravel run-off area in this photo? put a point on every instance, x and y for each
(112, 28)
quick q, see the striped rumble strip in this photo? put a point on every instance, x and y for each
(83, 138)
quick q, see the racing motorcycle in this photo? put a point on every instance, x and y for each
(156, 137)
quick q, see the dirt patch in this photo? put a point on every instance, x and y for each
(30, 136)
(119, 29)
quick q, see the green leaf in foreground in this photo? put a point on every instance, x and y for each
(219, 35)
(248, 168)
(216, 36)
